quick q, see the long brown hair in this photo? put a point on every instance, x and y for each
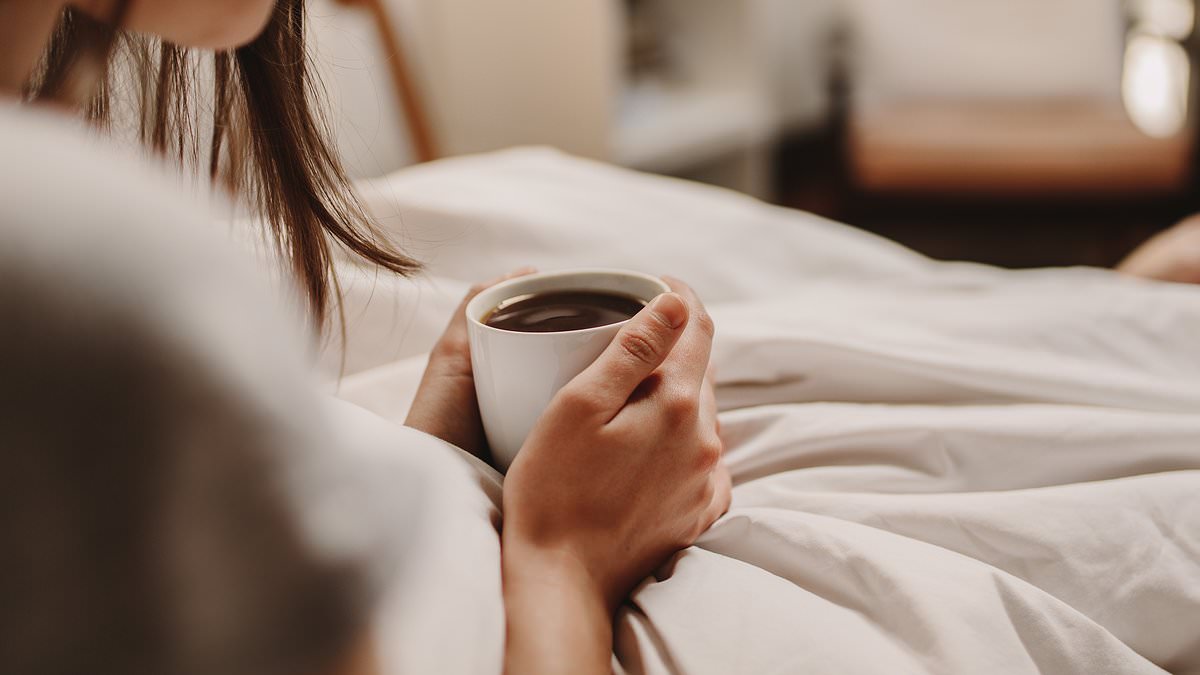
(268, 142)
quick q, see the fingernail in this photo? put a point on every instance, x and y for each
(672, 308)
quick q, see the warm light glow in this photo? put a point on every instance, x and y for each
(1155, 86)
(1174, 19)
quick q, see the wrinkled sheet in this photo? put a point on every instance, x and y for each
(941, 468)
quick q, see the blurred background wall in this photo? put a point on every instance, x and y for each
(1024, 132)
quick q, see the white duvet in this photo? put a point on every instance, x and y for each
(938, 468)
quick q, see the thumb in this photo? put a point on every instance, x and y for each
(637, 350)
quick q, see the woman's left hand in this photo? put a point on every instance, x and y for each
(1171, 255)
(445, 404)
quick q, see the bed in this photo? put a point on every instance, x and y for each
(938, 467)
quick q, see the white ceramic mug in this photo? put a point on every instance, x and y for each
(516, 374)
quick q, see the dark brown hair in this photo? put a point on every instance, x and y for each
(268, 143)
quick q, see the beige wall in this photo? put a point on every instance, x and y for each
(493, 84)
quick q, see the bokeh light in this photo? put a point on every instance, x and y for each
(1155, 84)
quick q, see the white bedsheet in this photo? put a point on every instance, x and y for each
(938, 468)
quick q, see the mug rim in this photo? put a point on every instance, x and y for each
(516, 281)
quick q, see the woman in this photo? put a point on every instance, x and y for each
(623, 469)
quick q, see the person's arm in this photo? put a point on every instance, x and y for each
(558, 619)
(621, 471)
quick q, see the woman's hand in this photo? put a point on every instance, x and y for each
(622, 470)
(445, 404)
(1173, 255)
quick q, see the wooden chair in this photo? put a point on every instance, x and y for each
(416, 117)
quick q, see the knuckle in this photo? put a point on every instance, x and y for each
(575, 399)
(641, 345)
(709, 454)
(705, 323)
(680, 410)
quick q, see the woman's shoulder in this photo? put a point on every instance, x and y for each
(96, 206)
(53, 166)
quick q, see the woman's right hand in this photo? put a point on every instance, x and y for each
(621, 471)
(625, 466)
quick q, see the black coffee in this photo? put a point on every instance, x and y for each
(560, 311)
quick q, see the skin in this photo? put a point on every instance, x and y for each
(215, 24)
(1173, 255)
(624, 468)
(25, 26)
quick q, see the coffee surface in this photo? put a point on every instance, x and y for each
(560, 311)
